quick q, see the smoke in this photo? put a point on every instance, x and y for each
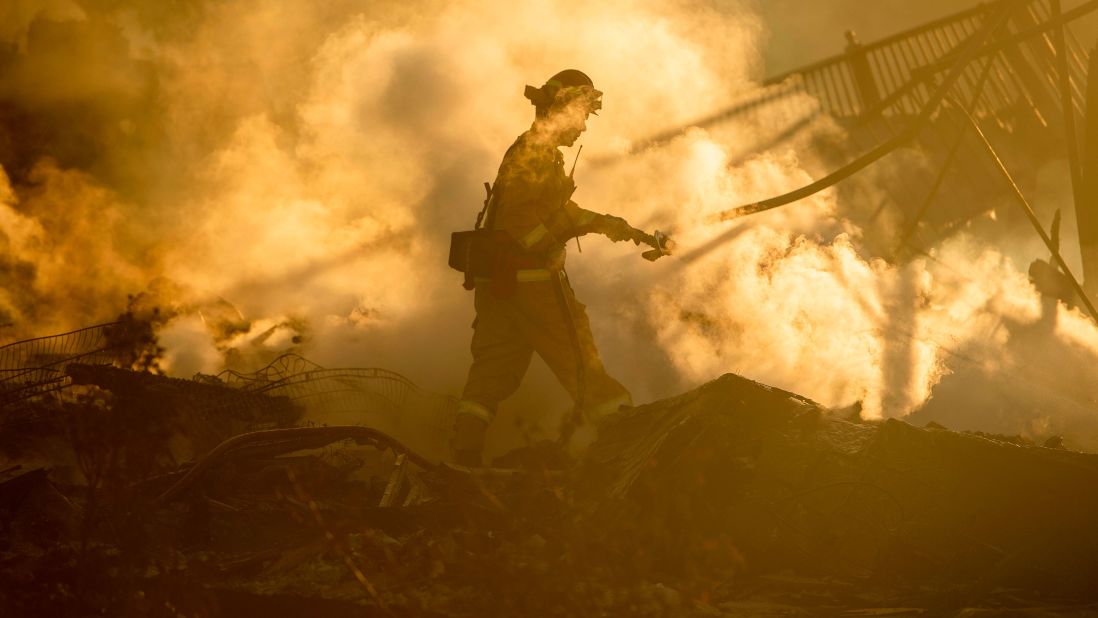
(799, 41)
(294, 170)
(69, 256)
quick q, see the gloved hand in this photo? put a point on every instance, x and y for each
(618, 229)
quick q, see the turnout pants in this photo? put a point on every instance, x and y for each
(541, 315)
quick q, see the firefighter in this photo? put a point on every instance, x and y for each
(530, 306)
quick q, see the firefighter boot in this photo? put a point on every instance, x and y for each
(468, 441)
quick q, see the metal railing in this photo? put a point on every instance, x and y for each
(36, 366)
(874, 88)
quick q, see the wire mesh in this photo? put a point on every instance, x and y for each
(280, 368)
(37, 366)
(919, 55)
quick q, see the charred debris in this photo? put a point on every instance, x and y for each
(125, 492)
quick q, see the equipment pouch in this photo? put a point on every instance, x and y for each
(484, 253)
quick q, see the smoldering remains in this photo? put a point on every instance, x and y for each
(735, 497)
(244, 182)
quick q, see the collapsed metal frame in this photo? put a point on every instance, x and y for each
(893, 78)
(893, 75)
(362, 390)
(1001, 61)
(278, 369)
(1005, 63)
(34, 367)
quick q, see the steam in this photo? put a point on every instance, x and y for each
(305, 163)
(60, 264)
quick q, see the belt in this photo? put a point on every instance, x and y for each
(531, 275)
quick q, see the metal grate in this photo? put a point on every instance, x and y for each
(36, 366)
(897, 75)
(279, 369)
(875, 89)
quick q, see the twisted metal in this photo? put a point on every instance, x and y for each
(280, 368)
(887, 95)
(37, 366)
(872, 85)
(359, 392)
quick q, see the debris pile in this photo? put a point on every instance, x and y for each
(132, 493)
(787, 486)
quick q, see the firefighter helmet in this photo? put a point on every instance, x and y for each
(564, 88)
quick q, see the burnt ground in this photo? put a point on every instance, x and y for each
(139, 495)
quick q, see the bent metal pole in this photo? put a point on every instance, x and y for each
(956, 61)
(1032, 216)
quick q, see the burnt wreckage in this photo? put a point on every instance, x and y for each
(132, 493)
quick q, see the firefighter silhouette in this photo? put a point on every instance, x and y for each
(524, 302)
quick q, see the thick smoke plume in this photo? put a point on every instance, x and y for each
(285, 175)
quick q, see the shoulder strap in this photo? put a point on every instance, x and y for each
(487, 217)
(483, 210)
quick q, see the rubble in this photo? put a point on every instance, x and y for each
(733, 499)
(790, 487)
